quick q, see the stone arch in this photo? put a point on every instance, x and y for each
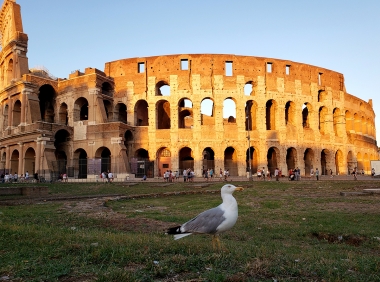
(81, 109)
(141, 113)
(349, 121)
(63, 115)
(290, 113)
(128, 142)
(104, 154)
(306, 111)
(108, 108)
(357, 125)
(230, 161)
(62, 144)
(337, 121)
(62, 149)
(291, 158)
(107, 89)
(80, 163)
(273, 159)
(10, 71)
(164, 161)
(14, 161)
(208, 158)
(323, 120)
(16, 113)
(251, 159)
(270, 114)
(351, 163)
(324, 161)
(322, 96)
(207, 111)
(185, 159)
(142, 154)
(359, 159)
(30, 161)
(162, 88)
(251, 115)
(308, 158)
(339, 167)
(47, 96)
(162, 114)
(366, 164)
(248, 89)
(364, 125)
(185, 113)
(121, 111)
(229, 110)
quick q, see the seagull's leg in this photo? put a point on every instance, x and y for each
(213, 242)
(221, 247)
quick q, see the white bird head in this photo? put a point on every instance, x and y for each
(229, 189)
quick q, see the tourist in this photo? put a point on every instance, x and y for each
(276, 174)
(331, 173)
(104, 176)
(258, 174)
(317, 173)
(373, 172)
(354, 173)
(110, 176)
(64, 177)
(26, 176)
(264, 173)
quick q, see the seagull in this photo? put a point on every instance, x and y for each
(213, 221)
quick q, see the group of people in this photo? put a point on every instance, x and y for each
(263, 173)
(9, 177)
(171, 176)
(107, 176)
(188, 175)
(62, 177)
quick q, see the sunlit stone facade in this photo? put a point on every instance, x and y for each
(148, 115)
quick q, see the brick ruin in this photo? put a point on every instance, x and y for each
(148, 115)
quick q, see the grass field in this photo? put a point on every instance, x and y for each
(286, 231)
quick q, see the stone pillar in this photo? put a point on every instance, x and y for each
(8, 157)
(38, 156)
(10, 117)
(20, 168)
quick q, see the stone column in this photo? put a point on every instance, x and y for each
(10, 117)
(20, 168)
(38, 156)
(8, 157)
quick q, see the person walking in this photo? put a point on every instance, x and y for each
(276, 173)
(317, 173)
(354, 173)
(264, 173)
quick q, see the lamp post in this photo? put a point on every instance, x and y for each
(249, 149)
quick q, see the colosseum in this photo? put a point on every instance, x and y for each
(199, 111)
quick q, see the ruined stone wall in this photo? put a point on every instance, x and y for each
(337, 130)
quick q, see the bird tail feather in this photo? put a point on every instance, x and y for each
(179, 236)
(176, 231)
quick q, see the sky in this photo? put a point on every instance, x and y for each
(340, 35)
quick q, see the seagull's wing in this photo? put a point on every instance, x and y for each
(206, 222)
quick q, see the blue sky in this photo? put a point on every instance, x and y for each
(341, 35)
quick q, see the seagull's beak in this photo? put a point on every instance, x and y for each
(239, 189)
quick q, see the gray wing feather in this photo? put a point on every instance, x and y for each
(206, 222)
